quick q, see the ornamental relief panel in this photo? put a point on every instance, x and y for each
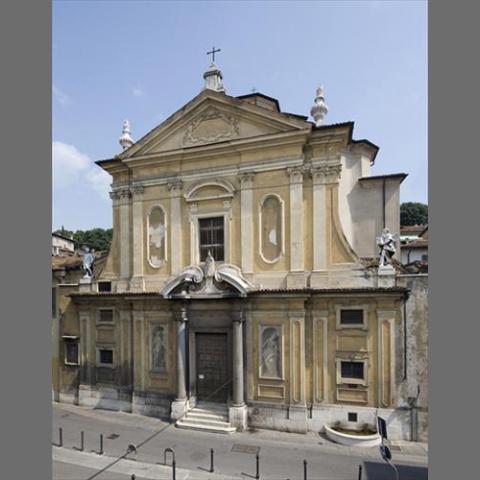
(158, 348)
(212, 126)
(157, 237)
(271, 228)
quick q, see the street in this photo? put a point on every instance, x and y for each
(281, 454)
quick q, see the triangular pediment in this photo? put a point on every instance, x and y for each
(210, 118)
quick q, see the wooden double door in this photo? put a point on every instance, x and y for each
(212, 367)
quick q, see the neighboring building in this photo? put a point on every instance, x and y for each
(416, 250)
(62, 245)
(242, 271)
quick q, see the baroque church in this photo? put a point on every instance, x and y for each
(242, 278)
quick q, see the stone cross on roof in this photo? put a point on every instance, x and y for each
(213, 52)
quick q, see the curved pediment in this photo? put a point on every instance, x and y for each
(211, 281)
(209, 190)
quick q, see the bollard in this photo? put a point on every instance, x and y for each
(133, 477)
(100, 452)
(359, 472)
(60, 437)
(304, 470)
(174, 463)
(82, 442)
(257, 473)
(211, 460)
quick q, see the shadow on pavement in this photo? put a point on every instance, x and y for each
(381, 471)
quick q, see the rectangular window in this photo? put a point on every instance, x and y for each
(104, 286)
(424, 258)
(212, 238)
(105, 316)
(351, 317)
(353, 370)
(54, 302)
(105, 356)
(71, 352)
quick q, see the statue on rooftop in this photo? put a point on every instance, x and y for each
(386, 242)
(88, 261)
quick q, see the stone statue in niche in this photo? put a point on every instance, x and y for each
(158, 349)
(386, 242)
(271, 356)
(88, 262)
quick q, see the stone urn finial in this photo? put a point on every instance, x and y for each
(319, 109)
(125, 139)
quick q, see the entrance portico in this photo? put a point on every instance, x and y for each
(210, 365)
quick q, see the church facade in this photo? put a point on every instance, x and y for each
(242, 274)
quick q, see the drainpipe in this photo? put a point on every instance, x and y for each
(383, 202)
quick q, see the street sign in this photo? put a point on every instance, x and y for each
(385, 453)
(382, 427)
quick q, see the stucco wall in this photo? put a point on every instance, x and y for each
(413, 386)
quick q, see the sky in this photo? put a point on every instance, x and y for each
(143, 60)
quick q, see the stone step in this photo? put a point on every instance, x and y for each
(211, 407)
(203, 421)
(204, 415)
(205, 428)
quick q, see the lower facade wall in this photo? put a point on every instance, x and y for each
(313, 419)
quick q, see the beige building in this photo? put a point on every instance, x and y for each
(242, 275)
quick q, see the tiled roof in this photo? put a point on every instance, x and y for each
(420, 243)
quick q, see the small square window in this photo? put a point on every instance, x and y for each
(71, 352)
(105, 356)
(351, 317)
(424, 258)
(106, 316)
(352, 417)
(104, 286)
(353, 370)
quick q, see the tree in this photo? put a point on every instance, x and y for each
(97, 238)
(413, 213)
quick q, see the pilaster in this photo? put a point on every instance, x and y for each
(137, 282)
(296, 278)
(386, 357)
(175, 187)
(246, 182)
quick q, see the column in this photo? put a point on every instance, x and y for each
(87, 361)
(179, 405)
(296, 277)
(137, 283)
(138, 360)
(246, 221)
(175, 187)
(238, 411)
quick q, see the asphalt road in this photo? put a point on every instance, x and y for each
(281, 454)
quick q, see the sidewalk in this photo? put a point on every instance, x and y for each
(281, 454)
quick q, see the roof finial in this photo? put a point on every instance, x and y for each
(213, 76)
(125, 139)
(319, 109)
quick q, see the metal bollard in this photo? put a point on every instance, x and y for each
(359, 472)
(82, 441)
(100, 452)
(257, 473)
(133, 477)
(174, 463)
(211, 460)
(304, 470)
(60, 437)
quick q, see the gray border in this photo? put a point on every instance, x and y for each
(454, 213)
(25, 195)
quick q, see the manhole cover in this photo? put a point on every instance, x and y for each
(245, 448)
(113, 436)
